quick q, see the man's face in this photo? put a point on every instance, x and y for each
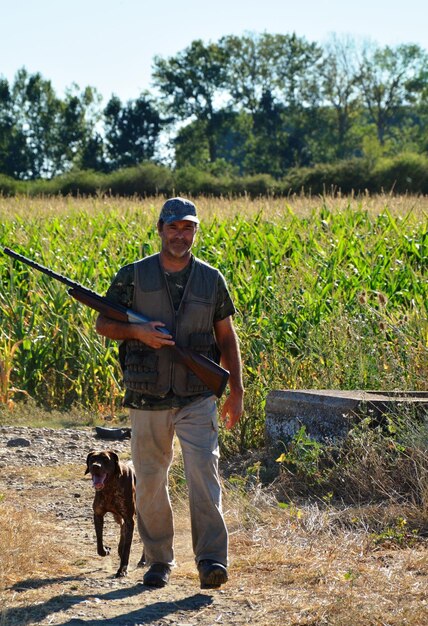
(177, 238)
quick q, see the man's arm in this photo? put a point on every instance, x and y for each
(231, 359)
(148, 333)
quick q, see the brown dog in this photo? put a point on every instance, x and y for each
(114, 484)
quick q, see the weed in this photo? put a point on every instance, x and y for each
(397, 534)
(303, 456)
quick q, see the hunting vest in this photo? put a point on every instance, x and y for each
(155, 372)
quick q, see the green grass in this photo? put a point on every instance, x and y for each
(331, 293)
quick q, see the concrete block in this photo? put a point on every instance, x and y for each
(328, 414)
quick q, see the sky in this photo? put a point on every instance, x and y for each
(110, 44)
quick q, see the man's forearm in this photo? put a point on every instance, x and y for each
(228, 343)
(231, 360)
(113, 329)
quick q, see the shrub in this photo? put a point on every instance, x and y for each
(375, 463)
(256, 185)
(147, 179)
(9, 186)
(192, 181)
(405, 173)
(75, 183)
(348, 176)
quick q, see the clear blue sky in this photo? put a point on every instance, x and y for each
(110, 44)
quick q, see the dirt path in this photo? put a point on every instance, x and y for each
(291, 566)
(43, 470)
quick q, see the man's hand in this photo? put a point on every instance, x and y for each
(150, 334)
(232, 410)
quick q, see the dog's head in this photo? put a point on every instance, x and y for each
(102, 465)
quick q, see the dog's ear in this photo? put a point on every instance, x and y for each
(115, 459)
(87, 461)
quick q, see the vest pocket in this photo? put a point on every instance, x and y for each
(202, 343)
(140, 368)
(195, 384)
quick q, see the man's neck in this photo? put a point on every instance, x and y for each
(172, 264)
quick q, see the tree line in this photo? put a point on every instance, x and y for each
(241, 106)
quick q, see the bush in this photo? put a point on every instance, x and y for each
(192, 181)
(147, 179)
(256, 185)
(405, 173)
(372, 464)
(75, 183)
(348, 176)
(9, 186)
(143, 180)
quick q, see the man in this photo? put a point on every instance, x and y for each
(176, 290)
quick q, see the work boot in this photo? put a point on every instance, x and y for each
(157, 575)
(211, 574)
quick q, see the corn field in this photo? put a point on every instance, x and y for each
(330, 292)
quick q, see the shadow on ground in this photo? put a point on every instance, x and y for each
(22, 616)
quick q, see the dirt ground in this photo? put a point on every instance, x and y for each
(278, 575)
(47, 477)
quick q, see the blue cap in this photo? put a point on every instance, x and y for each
(176, 209)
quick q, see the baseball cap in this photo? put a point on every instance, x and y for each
(176, 209)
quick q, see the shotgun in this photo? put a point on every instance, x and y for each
(210, 373)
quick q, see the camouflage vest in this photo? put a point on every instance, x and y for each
(154, 372)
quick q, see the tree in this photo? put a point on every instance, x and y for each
(283, 65)
(36, 111)
(92, 154)
(339, 89)
(14, 158)
(46, 135)
(269, 148)
(389, 79)
(78, 141)
(233, 141)
(191, 84)
(296, 76)
(131, 131)
(249, 70)
(274, 78)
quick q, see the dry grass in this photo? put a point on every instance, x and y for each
(302, 565)
(29, 414)
(208, 208)
(29, 547)
(49, 474)
(37, 565)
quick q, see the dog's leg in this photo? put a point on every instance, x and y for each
(142, 561)
(102, 550)
(126, 533)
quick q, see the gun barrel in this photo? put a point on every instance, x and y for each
(212, 375)
(45, 270)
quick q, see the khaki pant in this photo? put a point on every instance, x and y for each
(152, 451)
